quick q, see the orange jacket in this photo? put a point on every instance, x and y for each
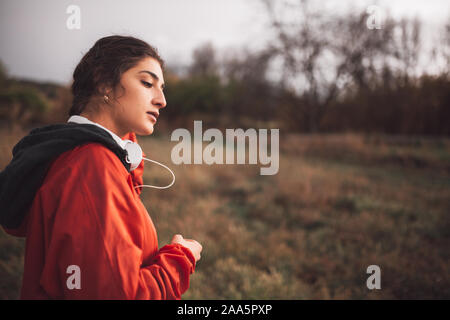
(88, 214)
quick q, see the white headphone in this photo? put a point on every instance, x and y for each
(134, 158)
(134, 151)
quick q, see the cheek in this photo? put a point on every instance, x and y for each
(140, 99)
(135, 94)
(134, 102)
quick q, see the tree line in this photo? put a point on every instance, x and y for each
(320, 72)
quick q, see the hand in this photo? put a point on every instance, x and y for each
(192, 245)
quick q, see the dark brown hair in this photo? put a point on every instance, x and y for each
(103, 66)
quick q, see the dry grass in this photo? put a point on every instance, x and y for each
(338, 204)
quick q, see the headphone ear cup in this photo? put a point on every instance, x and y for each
(134, 154)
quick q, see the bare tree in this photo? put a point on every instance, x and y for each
(408, 46)
(301, 47)
(445, 48)
(204, 61)
(322, 53)
(246, 76)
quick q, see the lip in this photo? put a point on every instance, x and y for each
(153, 115)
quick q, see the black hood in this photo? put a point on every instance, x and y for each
(32, 157)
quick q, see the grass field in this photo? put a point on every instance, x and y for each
(338, 204)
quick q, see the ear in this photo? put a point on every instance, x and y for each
(104, 91)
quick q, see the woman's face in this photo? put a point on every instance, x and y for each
(137, 108)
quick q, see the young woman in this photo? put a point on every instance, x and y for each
(73, 191)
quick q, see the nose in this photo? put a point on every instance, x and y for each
(159, 100)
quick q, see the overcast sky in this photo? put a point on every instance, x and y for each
(35, 42)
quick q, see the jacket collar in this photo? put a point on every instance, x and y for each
(81, 119)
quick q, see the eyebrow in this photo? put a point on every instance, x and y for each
(154, 76)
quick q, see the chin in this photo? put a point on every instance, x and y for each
(145, 130)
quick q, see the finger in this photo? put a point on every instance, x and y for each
(193, 241)
(177, 237)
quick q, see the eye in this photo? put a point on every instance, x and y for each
(148, 85)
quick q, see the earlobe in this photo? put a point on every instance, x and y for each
(105, 90)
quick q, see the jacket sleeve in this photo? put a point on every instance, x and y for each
(101, 226)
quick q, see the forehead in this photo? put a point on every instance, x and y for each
(148, 64)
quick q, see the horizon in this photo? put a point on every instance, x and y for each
(41, 27)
